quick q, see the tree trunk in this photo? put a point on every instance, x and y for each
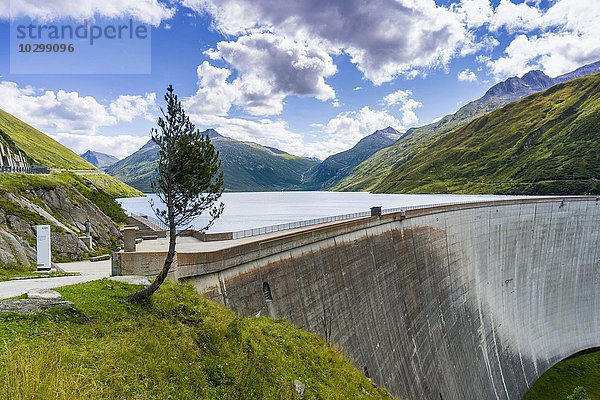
(147, 291)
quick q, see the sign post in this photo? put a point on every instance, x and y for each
(44, 255)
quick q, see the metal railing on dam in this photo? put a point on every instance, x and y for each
(152, 222)
(324, 220)
(471, 301)
(298, 224)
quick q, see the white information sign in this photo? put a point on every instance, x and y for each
(44, 255)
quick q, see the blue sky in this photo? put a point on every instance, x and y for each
(311, 77)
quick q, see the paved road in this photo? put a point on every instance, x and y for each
(89, 271)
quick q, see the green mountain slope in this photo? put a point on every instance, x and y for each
(334, 168)
(546, 143)
(369, 173)
(39, 147)
(246, 166)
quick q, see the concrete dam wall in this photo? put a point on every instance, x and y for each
(455, 302)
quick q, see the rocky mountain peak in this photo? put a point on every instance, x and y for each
(211, 133)
(537, 79)
(389, 133)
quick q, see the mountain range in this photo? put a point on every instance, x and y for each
(246, 166)
(372, 171)
(371, 164)
(99, 160)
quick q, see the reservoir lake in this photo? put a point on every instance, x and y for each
(249, 210)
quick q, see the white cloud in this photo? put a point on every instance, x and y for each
(557, 40)
(554, 53)
(475, 13)
(347, 128)
(384, 38)
(269, 68)
(74, 119)
(407, 105)
(515, 17)
(215, 95)
(60, 111)
(147, 11)
(127, 108)
(467, 76)
(356, 89)
(119, 146)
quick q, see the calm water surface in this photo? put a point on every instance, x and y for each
(256, 209)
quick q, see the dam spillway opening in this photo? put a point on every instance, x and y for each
(578, 373)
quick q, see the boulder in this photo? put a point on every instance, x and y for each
(44, 294)
(300, 389)
(15, 249)
(28, 306)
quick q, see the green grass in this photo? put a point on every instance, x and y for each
(546, 143)
(560, 381)
(39, 147)
(12, 270)
(112, 186)
(176, 346)
(19, 183)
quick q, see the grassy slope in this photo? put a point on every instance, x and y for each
(559, 381)
(373, 170)
(112, 186)
(177, 346)
(252, 167)
(545, 143)
(41, 148)
(334, 168)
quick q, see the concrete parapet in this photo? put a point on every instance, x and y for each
(129, 237)
(208, 237)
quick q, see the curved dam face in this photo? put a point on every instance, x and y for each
(466, 302)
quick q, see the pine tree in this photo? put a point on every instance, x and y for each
(188, 182)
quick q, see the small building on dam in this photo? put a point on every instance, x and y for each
(467, 301)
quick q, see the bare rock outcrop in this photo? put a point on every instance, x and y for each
(65, 210)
